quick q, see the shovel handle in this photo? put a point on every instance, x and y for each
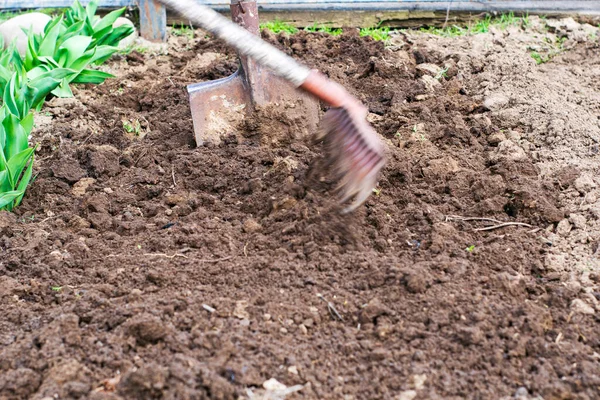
(263, 53)
(240, 39)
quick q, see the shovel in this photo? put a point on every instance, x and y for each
(352, 146)
(219, 106)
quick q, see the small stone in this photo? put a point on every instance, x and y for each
(581, 307)
(563, 228)
(251, 226)
(240, 310)
(407, 395)
(308, 323)
(293, 370)
(136, 292)
(419, 381)
(267, 317)
(274, 385)
(521, 393)
(108, 190)
(245, 322)
(303, 329)
(283, 330)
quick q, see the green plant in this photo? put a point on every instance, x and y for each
(377, 33)
(183, 30)
(52, 50)
(55, 58)
(471, 248)
(442, 74)
(277, 26)
(480, 26)
(85, 22)
(322, 28)
(132, 127)
(539, 59)
(20, 95)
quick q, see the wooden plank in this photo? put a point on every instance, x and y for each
(411, 5)
(153, 20)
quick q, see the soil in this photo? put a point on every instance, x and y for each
(141, 266)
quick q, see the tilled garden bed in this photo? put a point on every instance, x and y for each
(140, 266)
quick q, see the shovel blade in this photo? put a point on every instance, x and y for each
(218, 107)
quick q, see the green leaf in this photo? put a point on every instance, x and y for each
(16, 138)
(92, 76)
(90, 10)
(71, 31)
(109, 19)
(5, 185)
(102, 53)
(48, 81)
(9, 96)
(72, 50)
(115, 36)
(24, 182)
(63, 90)
(17, 164)
(27, 123)
(31, 56)
(7, 199)
(48, 44)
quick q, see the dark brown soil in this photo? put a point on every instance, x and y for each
(143, 267)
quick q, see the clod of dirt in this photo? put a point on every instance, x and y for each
(148, 382)
(496, 101)
(19, 383)
(566, 176)
(102, 160)
(470, 335)
(81, 186)
(68, 169)
(251, 226)
(496, 138)
(7, 220)
(579, 306)
(563, 228)
(507, 150)
(429, 69)
(372, 310)
(147, 329)
(584, 184)
(578, 221)
(416, 282)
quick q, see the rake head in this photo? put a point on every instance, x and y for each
(354, 151)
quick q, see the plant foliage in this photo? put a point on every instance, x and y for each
(61, 55)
